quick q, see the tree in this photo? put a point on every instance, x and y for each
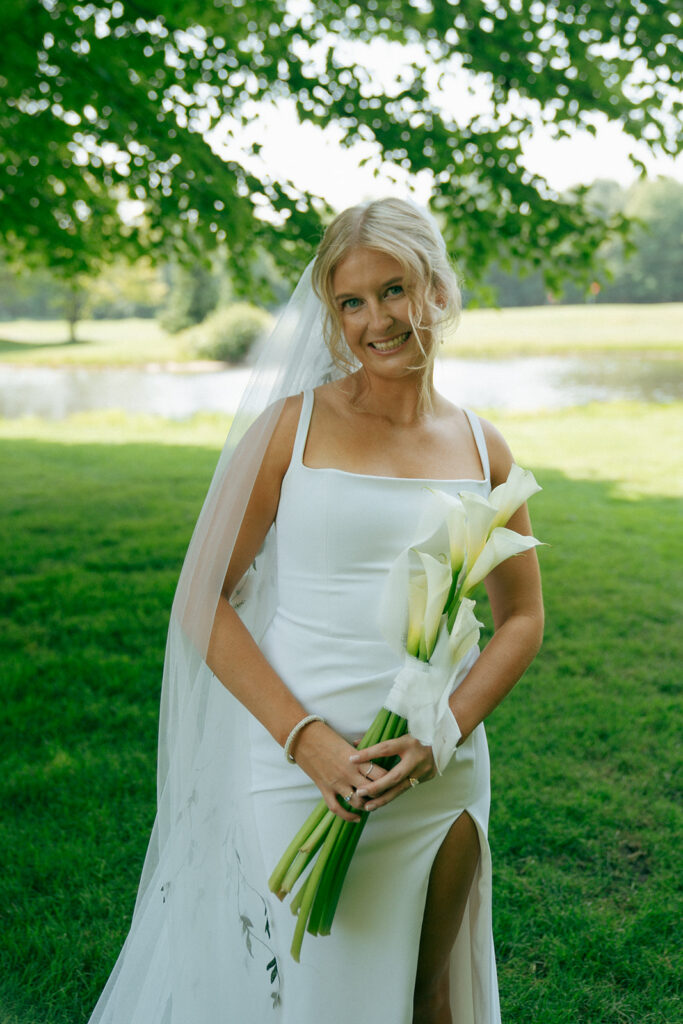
(652, 269)
(114, 99)
(193, 294)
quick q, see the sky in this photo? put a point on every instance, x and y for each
(314, 160)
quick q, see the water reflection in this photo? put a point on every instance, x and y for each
(515, 384)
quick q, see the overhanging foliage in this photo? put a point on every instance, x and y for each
(114, 99)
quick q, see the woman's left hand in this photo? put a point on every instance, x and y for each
(416, 765)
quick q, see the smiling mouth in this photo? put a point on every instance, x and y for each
(392, 344)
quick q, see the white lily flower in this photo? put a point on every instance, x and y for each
(417, 606)
(480, 515)
(507, 497)
(501, 544)
(465, 632)
(452, 515)
(438, 582)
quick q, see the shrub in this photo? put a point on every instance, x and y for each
(228, 333)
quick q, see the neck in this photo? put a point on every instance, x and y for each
(398, 401)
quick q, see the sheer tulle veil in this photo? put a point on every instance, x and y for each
(199, 890)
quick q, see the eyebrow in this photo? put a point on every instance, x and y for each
(387, 284)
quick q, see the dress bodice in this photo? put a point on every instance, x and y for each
(338, 534)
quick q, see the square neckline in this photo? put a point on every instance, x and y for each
(302, 437)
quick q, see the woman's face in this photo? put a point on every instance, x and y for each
(374, 310)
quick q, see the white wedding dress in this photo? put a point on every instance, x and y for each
(338, 534)
(209, 943)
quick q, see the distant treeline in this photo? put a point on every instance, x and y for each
(651, 270)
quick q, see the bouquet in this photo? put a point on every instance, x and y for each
(428, 617)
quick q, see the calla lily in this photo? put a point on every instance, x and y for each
(465, 632)
(480, 515)
(417, 606)
(438, 581)
(454, 519)
(501, 544)
(507, 497)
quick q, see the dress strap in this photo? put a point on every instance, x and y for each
(302, 429)
(480, 442)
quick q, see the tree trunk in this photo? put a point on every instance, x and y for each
(74, 308)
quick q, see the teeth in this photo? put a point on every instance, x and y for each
(388, 346)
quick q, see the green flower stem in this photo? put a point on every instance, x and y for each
(374, 733)
(334, 841)
(453, 610)
(303, 897)
(301, 836)
(340, 859)
(305, 855)
(295, 905)
(327, 877)
(341, 867)
(312, 886)
(451, 594)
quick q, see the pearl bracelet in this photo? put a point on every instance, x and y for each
(295, 732)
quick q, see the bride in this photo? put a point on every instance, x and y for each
(276, 665)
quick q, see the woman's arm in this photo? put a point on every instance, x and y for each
(514, 590)
(235, 658)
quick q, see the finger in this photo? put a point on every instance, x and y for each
(370, 772)
(385, 782)
(385, 798)
(387, 748)
(342, 809)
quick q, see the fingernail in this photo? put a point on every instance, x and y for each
(362, 792)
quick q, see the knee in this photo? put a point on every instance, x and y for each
(431, 1003)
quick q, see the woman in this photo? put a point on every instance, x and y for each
(279, 597)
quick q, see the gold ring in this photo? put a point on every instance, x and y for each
(349, 798)
(413, 782)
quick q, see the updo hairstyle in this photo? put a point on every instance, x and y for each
(402, 230)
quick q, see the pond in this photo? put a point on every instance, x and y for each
(520, 384)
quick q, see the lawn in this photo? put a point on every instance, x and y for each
(97, 513)
(543, 330)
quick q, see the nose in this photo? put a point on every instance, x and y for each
(379, 317)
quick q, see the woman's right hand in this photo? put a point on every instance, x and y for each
(324, 755)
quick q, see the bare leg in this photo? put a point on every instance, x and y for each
(449, 885)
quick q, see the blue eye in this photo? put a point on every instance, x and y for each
(395, 289)
(349, 304)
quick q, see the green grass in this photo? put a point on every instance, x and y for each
(100, 343)
(543, 330)
(565, 330)
(97, 513)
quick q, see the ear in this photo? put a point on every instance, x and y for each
(439, 297)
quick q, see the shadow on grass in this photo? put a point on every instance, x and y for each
(19, 347)
(584, 751)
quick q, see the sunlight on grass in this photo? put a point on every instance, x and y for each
(636, 445)
(553, 330)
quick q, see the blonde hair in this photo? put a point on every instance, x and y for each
(402, 230)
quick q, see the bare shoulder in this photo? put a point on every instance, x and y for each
(279, 452)
(500, 456)
(271, 438)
